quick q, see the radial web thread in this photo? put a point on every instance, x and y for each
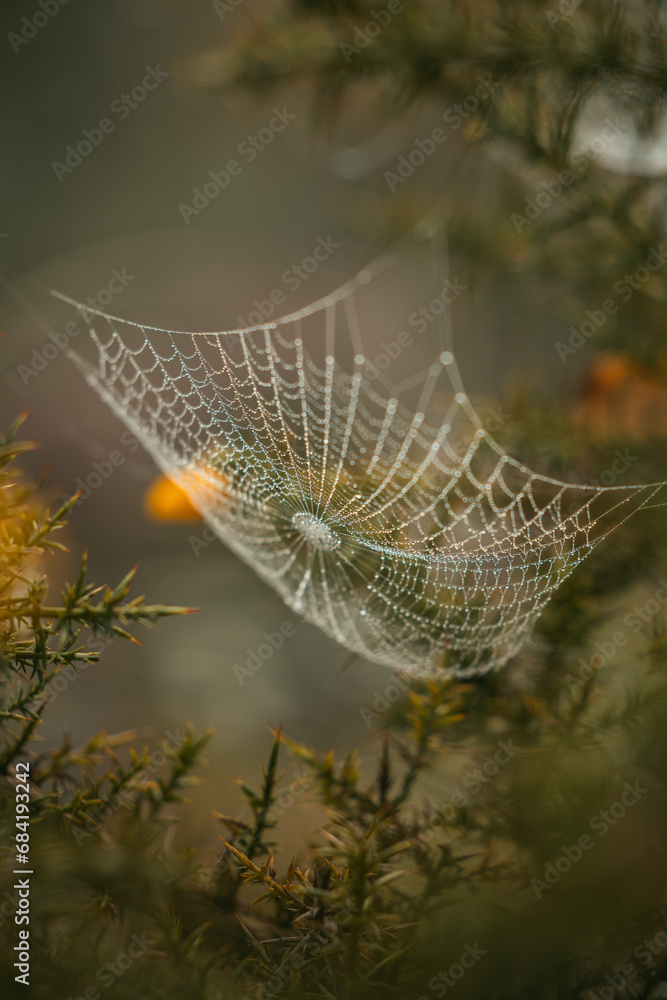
(416, 543)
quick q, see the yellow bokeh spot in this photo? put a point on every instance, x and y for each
(164, 500)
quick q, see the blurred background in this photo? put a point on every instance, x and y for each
(550, 184)
(116, 215)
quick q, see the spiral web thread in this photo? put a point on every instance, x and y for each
(417, 544)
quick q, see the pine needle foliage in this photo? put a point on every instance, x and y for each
(448, 855)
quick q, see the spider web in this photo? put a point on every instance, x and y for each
(416, 543)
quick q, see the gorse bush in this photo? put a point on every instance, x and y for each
(507, 841)
(532, 99)
(499, 838)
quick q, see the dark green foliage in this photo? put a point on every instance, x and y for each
(604, 59)
(453, 862)
(424, 858)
